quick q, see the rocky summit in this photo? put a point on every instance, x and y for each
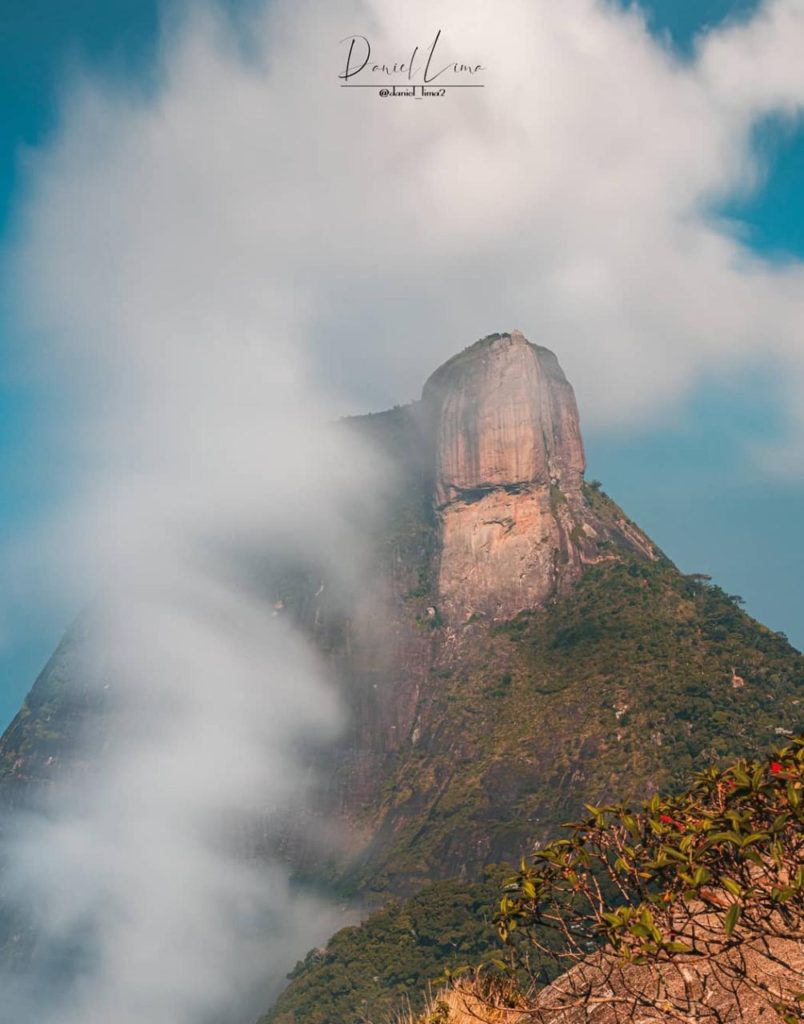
(521, 648)
(539, 653)
(515, 525)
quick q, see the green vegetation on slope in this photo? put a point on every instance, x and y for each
(720, 863)
(701, 873)
(367, 972)
(626, 685)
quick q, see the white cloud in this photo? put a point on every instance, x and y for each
(144, 899)
(570, 197)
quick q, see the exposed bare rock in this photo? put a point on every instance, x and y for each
(743, 988)
(517, 527)
(464, 742)
(506, 416)
(502, 553)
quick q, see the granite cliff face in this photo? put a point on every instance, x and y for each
(521, 647)
(516, 527)
(505, 417)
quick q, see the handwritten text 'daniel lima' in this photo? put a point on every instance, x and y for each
(424, 67)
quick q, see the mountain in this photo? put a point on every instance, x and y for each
(522, 647)
(704, 922)
(535, 648)
(374, 970)
(490, 517)
(515, 525)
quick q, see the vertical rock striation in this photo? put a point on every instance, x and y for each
(488, 515)
(505, 415)
(516, 526)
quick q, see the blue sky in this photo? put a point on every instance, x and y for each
(689, 483)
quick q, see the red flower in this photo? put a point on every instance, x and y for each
(666, 819)
(776, 767)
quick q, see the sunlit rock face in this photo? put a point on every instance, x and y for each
(505, 416)
(515, 525)
(487, 515)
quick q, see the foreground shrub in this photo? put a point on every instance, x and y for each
(690, 908)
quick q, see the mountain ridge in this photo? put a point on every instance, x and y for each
(523, 647)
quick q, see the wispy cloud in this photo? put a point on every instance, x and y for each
(570, 197)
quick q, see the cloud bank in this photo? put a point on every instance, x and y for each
(571, 197)
(134, 874)
(148, 875)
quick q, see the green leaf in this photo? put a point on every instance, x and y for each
(671, 854)
(731, 886)
(701, 875)
(741, 777)
(722, 837)
(752, 838)
(732, 917)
